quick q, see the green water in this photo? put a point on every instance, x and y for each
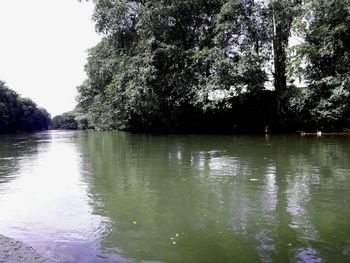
(119, 197)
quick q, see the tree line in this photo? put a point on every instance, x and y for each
(19, 114)
(218, 66)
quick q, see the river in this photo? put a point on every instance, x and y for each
(121, 197)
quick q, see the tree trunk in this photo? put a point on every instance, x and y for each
(281, 31)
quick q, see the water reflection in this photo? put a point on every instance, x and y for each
(308, 255)
(181, 198)
(265, 236)
(12, 150)
(209, 198)
(46, 203)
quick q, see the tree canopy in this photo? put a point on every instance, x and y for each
(65, 121)
(20, 114)
(325, 28)
(188, 65)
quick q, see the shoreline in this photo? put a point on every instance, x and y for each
(14, 251)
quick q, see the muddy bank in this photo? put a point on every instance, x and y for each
(12, 251)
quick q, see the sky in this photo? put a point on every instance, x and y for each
(43, 49)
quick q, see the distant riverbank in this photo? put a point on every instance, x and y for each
(13, 251)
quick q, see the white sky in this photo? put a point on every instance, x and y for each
(43, 47)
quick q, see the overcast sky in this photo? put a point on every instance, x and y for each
(43, 47)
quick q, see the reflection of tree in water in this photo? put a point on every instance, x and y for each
(47, 205)
(14, 149)
(312, 166)
(202, 188)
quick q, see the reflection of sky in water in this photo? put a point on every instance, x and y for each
(216, 163)
(226, 165)
(269, 198)
(265, 236)
(62, 222)
(307, 255)
(243, 210)
(266, 245)
(298, 196)
(262, 204)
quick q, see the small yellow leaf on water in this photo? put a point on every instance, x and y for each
(134, 222)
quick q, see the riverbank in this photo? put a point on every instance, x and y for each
(13, 251)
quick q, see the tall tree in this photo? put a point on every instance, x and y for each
(326, 30)
(283, 13)
(170, 64)
(142, 73)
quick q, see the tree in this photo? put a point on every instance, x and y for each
(65, 121)
(326, 30)
(184, 65)
(283, 13)
(20, 114)
(141, 74)
(162, 62)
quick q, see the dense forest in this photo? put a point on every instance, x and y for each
(65, 121)
(20, 114)
(219, 66)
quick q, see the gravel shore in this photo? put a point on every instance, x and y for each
(12, 251)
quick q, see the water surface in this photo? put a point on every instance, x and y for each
(120, 197)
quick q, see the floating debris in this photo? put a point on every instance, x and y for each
(175, 237)
(134, 222)
(253, 179)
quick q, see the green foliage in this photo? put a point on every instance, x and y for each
(65, 121)
(327, 39)
(188, 65)
(326, 50)
(20, 114)
(282, 15)
(162, 62)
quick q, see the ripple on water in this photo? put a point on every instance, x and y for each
(307, 254)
